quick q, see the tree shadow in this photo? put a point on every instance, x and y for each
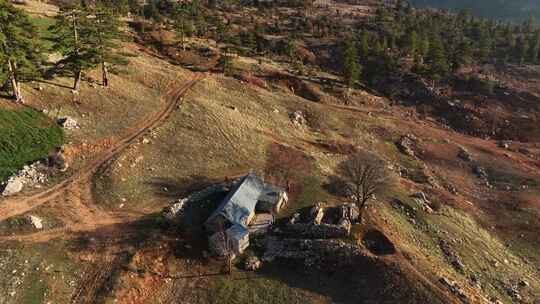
(53, 84)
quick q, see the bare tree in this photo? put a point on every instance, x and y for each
(226, 249)
(364, 175)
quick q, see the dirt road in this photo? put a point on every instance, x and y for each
(73, 196)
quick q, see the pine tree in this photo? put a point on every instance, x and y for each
(70, 39)
(180, 25)
(535, 48)
(364, 45)
(20, 50)
(436, 59)
(87, 37)
(424, 47)
(351, 68)
(105, 36)
(484, 49)
(463, 55)
(413, 43)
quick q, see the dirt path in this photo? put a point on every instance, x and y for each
(73, 196)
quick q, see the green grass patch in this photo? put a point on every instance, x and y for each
(25, 136)
(310, 192)
(258, 290)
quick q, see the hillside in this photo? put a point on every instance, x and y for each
(517, 10)
(459, 212)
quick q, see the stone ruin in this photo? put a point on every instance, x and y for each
(310, 251)
(322, 222)
(316, 236)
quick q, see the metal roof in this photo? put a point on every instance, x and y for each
(240, 203)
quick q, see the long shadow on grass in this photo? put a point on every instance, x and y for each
(54, 84)
(366, 280)
(134, 248)
(177, 188)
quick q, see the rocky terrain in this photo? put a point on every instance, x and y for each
(83, 222)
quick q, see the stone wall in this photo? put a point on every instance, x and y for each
(311, 251)
(321, 231)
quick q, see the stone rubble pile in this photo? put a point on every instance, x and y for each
(30, 175)
(174, 213)
(68, 123)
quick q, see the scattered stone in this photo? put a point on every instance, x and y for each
(524, 151)
(298, 118)
(452, 189)
(458, 265)
(524, 283)
(465, 155)
(173, 211)
(480, 172)
(495, 300)
(406, 144)
(36, 221)
(422, 200)
(454, 288)
(68, 123)
(503, 144)
(145, 141)
(252, 263)
(513, 293)
(12, 186)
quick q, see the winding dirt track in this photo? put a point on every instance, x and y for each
(73, 196)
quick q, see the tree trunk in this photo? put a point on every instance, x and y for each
(77, 84)
(361, 208)
(105, 74)
(14, 83)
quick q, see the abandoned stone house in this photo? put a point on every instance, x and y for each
(248, 208)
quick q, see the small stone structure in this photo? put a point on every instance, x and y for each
(322, 222)
(315, 236)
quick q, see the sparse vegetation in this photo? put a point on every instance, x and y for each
(439, 222)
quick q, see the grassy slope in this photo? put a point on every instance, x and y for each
(39, 273)
(26, 135)
(208, 138)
